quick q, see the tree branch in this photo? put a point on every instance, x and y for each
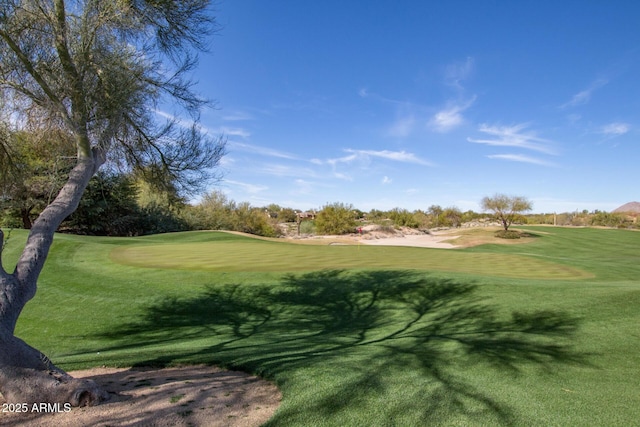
(30, 68)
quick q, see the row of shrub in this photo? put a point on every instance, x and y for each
(120, 205)
(587, 219)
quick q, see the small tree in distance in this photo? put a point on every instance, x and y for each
(506, 208)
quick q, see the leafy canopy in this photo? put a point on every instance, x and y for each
(102, 71)
(506, 208)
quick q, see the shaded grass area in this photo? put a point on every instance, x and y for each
(357, 340)
(368, 346)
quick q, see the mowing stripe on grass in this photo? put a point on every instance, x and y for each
(246, 254)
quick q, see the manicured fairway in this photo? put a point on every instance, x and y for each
(233, 253)
(540, 334)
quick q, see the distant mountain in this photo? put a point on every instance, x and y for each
(629, 207)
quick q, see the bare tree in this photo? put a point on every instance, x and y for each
(506, 208)
(99, 71)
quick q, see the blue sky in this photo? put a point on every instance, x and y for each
(408, 104)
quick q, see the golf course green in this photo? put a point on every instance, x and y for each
(536, 334)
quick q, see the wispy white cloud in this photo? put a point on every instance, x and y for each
(363, 158)
(457, 72)
(234, 132)
(303, 187)
(343, 176)
(398, 156)
(263, 151)
(574, 118)
(520, 158)
(386, 180)
(285, 171)
(615, 129)
(249, 188)
(235, 116)
(344, 159)
(410, 115)
(402, 127)
(513, 136)
(450, 117)
(366, 93)
(188, 124)
(584, 96)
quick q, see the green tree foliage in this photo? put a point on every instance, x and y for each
(150, 194)
(470, 215)
(506, 208)
(97, 71)
(110, 207)
(436, 217)
(213, 212)
(377, 215)
(161, 207)
(287, 215)
(336, 218)
(280, 214)
(34, 170)
(607, 219)
(217, 212)
(114, 204)
(403, 218)
(253, 221)
(453, 216)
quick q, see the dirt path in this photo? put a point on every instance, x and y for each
(188, 396)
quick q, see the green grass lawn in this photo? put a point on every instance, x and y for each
(543, 333)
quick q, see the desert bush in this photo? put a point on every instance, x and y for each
(253, 221)
(376, 215)
(403, 218)
(336, 218)
(606, 219)
(389, 229)
(451, 217)
(422, 218)
(508, 234)
(217, 212)
(214, 212)
(307, 227)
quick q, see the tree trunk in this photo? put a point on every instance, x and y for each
(27, 375)
(26, 218)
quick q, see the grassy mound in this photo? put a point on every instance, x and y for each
(235, 253)
(508, 234)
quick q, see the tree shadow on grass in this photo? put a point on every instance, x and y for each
(371, 339)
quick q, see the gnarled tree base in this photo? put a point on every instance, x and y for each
(27, 376)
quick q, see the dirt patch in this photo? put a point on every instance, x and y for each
(416, 240)
(185, 396)
(374, 234)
